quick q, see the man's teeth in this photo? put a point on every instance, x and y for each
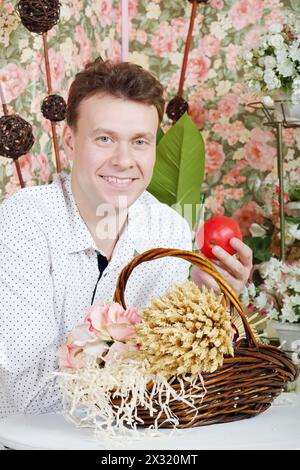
(112, 179)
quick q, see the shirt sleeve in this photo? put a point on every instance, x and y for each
(28, 328)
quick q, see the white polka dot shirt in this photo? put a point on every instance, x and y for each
(48, 272)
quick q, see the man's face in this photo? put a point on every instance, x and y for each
(113, 149)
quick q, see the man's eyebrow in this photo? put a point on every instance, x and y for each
(147, 135)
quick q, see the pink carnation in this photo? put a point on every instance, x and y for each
(120, 323)
(69, 357)
(116, 350)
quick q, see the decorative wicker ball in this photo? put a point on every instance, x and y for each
(199, 1)
(16, 137)
(176, 108)
(39, 16)
(54, 108)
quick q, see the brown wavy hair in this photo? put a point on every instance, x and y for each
(119, 79)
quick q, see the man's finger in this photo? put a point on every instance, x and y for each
(245, 253)
(229, 262)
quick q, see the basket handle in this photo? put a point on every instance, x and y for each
(195, 259)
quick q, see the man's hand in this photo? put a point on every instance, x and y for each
(235, 269)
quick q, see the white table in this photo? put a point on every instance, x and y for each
(276, 428)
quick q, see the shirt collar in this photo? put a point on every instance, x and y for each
(131, 241)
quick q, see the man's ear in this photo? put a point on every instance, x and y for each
(68, 142)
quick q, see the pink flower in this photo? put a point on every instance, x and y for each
(229, 105)
(217, 208)
(197, 113)
(85, 45)
(44, 167)
(119, 322)
(27, 164)
(246, 215)
(198, 68)
(33, 69)
(214, 157)
(14, 81)
(209, 45)
(179, 27)
(245, 12)
(216, 4)
(162, 41)
(95, 318)
(231, 56)
(57, 67)
(141, 36)
(115, 351)
(114, 50)
(106, 13)
(252, 37)
(214, 115)
(258, 153)
(69, 357)
(132, 9)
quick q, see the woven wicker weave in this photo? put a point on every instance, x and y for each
(245, 385)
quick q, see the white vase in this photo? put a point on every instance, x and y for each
(286, 108)
(288, 333)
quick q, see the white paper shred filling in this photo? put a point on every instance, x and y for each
(88, 394)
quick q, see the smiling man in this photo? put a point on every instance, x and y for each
(63, 245)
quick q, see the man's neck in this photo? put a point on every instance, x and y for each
(105, 230)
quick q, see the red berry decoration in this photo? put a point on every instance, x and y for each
(217, 231)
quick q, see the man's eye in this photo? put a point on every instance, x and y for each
(141, 141)
(103, 138)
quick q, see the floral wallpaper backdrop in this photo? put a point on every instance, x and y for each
(240, 151)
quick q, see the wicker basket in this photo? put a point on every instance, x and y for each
(245, 385)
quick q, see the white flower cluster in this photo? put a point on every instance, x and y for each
(279, 295)
(274, 63)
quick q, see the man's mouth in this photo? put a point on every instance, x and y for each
(118, 182)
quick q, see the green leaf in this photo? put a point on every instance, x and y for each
(261, 248)
(159, 136)
(179, 167)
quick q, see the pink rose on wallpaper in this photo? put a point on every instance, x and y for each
(27, 164)
(106, 13)
(14, 81)
(229, 105)
(197, 113)
(214, 115)
(179, 27)
(214, 156)
(33, 69)
(209, 45)
(258, 153)
(231, 56)
(132, 8)
(198, 68)
(57, 67)
(162, 42)
(245, 12)
(252, 37)
(216, 4)
(84, 42)
(246, 215)
(44, 167)
(216, 208)
(114, 50)
(141, 36)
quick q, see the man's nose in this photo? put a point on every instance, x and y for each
(123, 155)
